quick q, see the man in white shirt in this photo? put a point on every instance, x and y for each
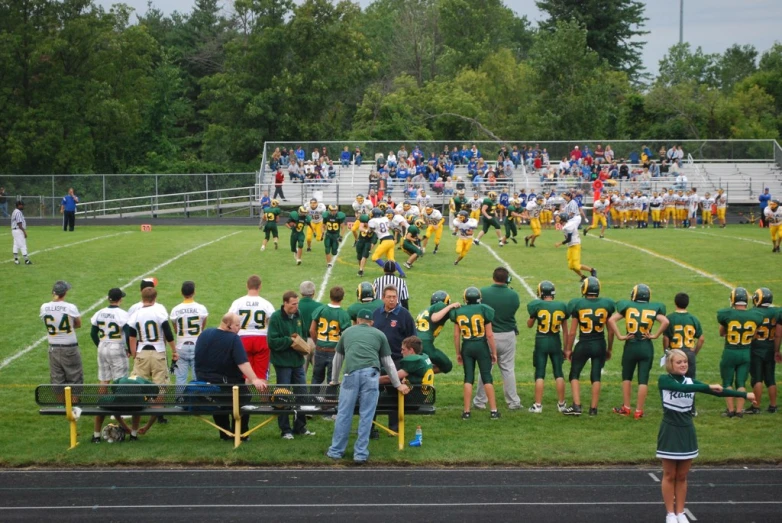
(61, 319)
(255, 313)
(189, 319)
(573, 241)
(19, 233)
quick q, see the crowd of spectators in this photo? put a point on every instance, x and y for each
(466, 167)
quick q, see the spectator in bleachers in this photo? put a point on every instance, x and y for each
(478, 183)
(345, 157)
(472, 167)
(391, 159)
(481, 168)
(455, 155)
(372, 197)
(324, 152)
(681, 182)
(275, 160)
(448, 186)
(465, 155)
(515, 156)
(654, 169)
(600, 154)
(459, 183)
(664, 167)
(764, 199)
(284, 157)
(544, 158)
(357, 157)
(315, 157)
(380, 161)
(613, 171)
(295, 172)
(507, 167)
(419, 179)
(564, 166)
(679, 156)
(402, 173)
(634, 157)
(662, 153)
(300, 153)
(646, 151)
(374, 179)
(624, 170)
(476, 153)
(575, 153)
(332, 170)
(609, 154)
(418, 155)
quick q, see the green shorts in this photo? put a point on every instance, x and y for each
(437, 357)
(548, 348)
(411, 248)
(363, 249)
(762, 367)
(480, 354)
(270, 229)
(297, 239)
(510, 226)
(487, 223)
(734, 368)
(588, 350)
(637, 354)
(332, 243)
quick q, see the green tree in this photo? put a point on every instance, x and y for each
(682, 65)
(613, 27)
(735, 64)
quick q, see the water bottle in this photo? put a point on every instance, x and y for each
(419, 437)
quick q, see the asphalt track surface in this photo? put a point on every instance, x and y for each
(384, 494)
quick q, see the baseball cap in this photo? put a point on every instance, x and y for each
(365, 314)
(60, 287)
(116, 294)
(389, 266)
(147, 282)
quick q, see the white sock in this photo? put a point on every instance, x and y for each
(134, 433)
(96, 434)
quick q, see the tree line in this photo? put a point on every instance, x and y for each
(85, 89)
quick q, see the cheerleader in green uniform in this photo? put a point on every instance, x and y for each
(677, 444)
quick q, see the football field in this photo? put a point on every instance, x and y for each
(706, 263)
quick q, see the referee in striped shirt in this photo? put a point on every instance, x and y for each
(19, 233)
(389, 278)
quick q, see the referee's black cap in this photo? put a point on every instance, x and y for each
(389, 267)
(19, 203)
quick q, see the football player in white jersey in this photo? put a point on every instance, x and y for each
(380, 225)
(61, 319)
(463, 229)
(407, 209)
(315, 211)
(643, 209)
(656, 208)
(148, 333)
(573, 241)
(772, 214)
(475, 206)
(145, 283)
(532, 214)
(599, 209)
(255, 313)
(423, 200)
(109, 328)
(189, 319)
(360, 206)
(722, 207)
(19, 233)
(434, 220)
(707, 202)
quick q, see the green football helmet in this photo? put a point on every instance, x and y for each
(762, 297)
(365, 291)
(440, 296)
(739, 296)
(472, 295)
(590, 287)
(363, 218)
(546, 289)
(641, 293)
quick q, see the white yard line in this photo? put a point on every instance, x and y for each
(7, 361)
(71, 245)
(670, 259)
(510, 270)
(326, 276)
(727, 237)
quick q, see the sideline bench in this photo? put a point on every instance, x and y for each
(237, 400)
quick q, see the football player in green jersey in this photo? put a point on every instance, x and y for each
(428, 325)
(269, 223)
(414, 368)
(684, 332)
(328, 323)
(639, 315)
(297, 221)
(473, 339)
(762, 361)
(335, 223)
(366, 238)
(412, 242)
(550, 316)
(739, 326)
(514, 214)
(589, 315)
(489, 218)
(365, 293)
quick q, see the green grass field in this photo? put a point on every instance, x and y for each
(703, 263)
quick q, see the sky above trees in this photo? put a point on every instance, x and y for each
(713, 25)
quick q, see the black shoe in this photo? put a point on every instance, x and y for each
(28, 262)
(526, 241)
(513, 240)
(593, 411)
(95, 439)
(360, 273)
(752, 410)
(740, 414)
(435, 249)
(132, 438)
(593, 272)
(772, 409)
(465, 415)
(456, 262)
(586, 231)
(532, 245)
(573, 410)
(728, 413)
(309, 249)
(374, 434)
(275, 246)
(495, 414)
(162, 420)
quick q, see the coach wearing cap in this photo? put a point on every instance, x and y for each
(60, 319)
(368, 348)
(505, 302)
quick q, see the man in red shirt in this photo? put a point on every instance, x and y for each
(279, 178)
(576, 153)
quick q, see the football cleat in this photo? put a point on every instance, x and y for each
(641, 293)
(28, 262)
(622, 411)
(546, 289)
(573, 410)
(535, 408)
(638, 414)
(465, 415)
(472, 295)
(495, 415)
(561, 406)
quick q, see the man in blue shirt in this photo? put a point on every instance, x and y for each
(764, 199)
(300, 153)
(68, 210)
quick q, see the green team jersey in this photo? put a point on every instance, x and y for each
(416, 366)
(683, 331)
(491, 209)
(472, 320)
(333, 222)
(550, 316)
(740, 326)
(425, 328)
(355, 308)
(592, 315)
(363, 347)
(307, 307)
(639, 317)
(413, 231)
(766, 330)
(270, 214)
(300, 222)
(511, 209)
(461, 204)
(331, 322)
(368, 235)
